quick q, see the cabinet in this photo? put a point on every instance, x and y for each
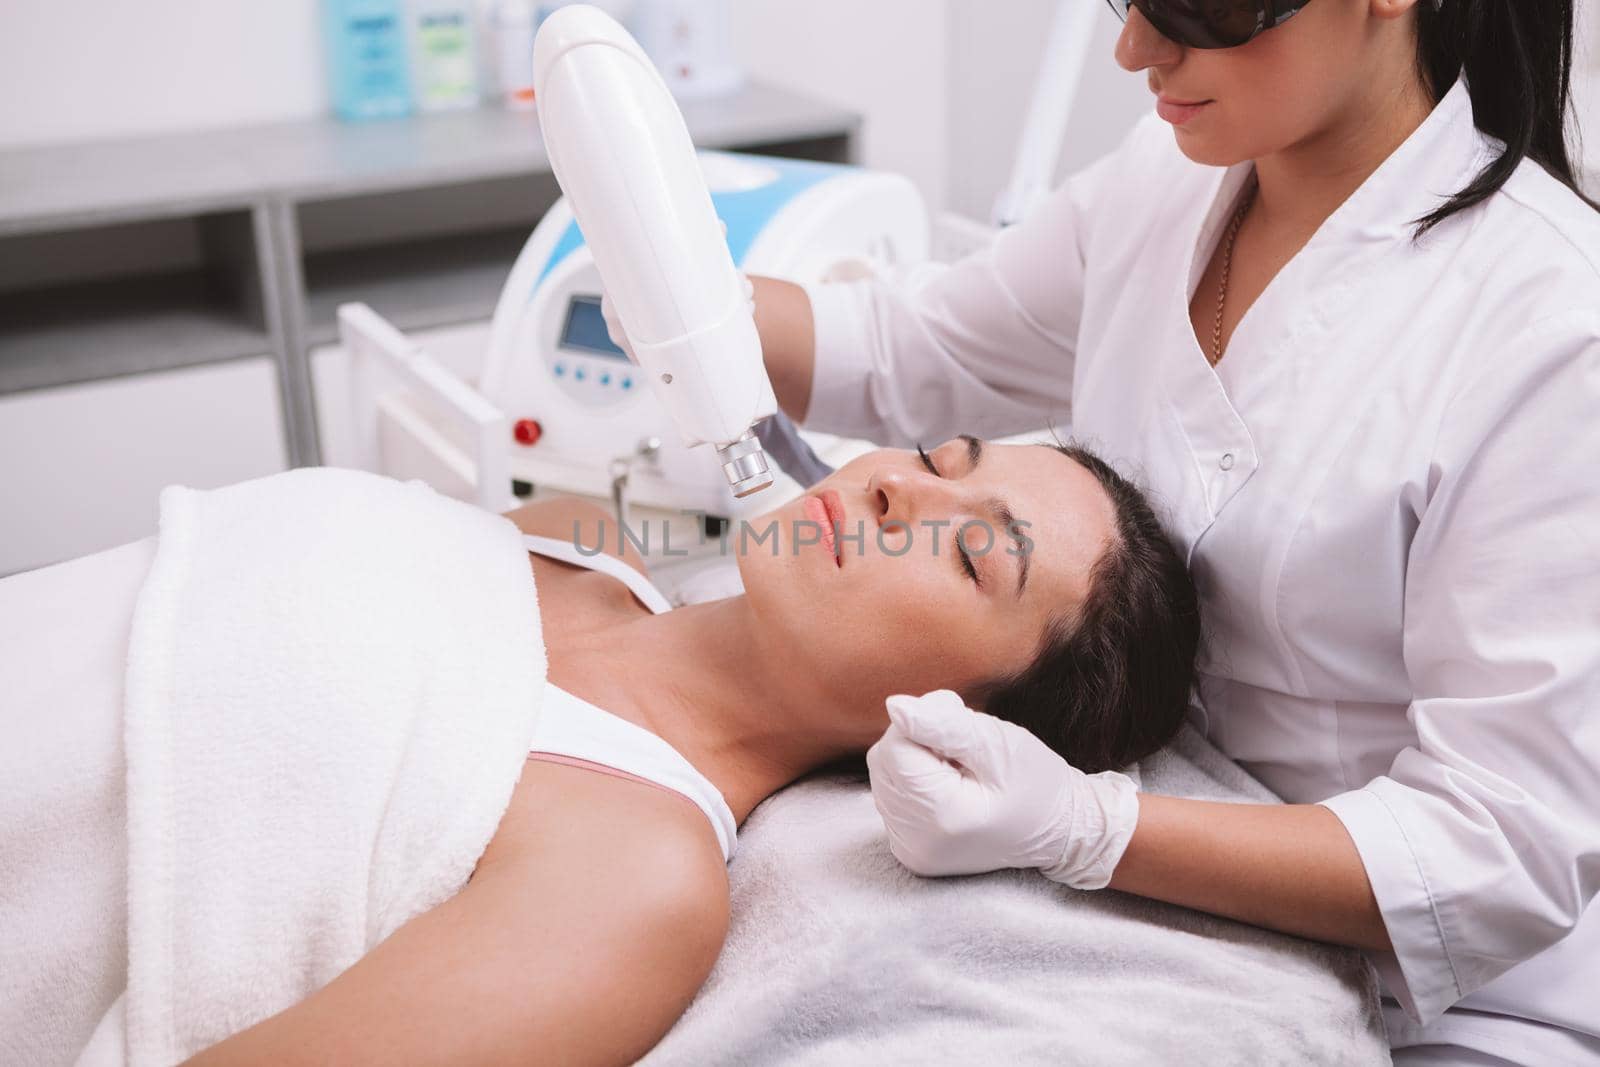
(167, 304)
(85, 463)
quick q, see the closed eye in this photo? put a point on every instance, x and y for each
(961, 549)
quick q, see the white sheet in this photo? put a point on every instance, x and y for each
(63, 883)
(838, 955)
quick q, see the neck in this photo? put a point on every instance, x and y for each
(708, 680)
(1301, 185)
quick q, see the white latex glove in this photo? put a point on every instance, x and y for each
(963, 792)
(619, 337)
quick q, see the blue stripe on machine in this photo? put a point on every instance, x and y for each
(746, 211)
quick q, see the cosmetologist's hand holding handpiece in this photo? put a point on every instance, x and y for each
(962, 792)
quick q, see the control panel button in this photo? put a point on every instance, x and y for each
(527, 431)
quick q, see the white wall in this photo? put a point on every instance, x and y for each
(995, 52)
(1586, 89)
(941, 83)
(883, 58)
(112, 68)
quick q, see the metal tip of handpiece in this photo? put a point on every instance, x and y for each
(745, 464)
(740, 491)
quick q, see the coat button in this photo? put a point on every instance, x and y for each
(1226, 462)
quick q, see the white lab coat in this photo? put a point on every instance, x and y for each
(1388, 492)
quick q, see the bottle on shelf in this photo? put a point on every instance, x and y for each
(515, 23)
(366, 48)
(691, 43)
(444, 51)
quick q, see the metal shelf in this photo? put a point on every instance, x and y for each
(415, 285)
(113, 328)
(89, 184)
(281, 223)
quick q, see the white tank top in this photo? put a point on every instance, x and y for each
(571, 727)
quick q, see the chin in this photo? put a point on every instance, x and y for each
(1207, 151)
(773, 583)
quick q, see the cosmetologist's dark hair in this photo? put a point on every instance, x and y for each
(1517, 58)
(1110, 684)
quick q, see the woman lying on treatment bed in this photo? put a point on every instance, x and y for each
(601, 903)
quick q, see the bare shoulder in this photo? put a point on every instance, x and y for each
(581, 938)
(568, 517)
(602, 820)
(626, 896)
(656, 847)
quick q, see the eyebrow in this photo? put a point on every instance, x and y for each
(1001, 513)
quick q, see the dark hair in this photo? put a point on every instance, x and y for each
(1110, 684)
(1517, 59)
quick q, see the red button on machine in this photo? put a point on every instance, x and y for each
(527, 431)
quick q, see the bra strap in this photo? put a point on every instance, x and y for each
(566, 552)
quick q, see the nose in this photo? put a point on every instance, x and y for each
(1140, 45)
(901, 495)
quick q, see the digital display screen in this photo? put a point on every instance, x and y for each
(585, 329)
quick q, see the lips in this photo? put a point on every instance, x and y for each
(826, 509)
(1177, 111)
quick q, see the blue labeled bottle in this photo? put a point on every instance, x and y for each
(366, 42)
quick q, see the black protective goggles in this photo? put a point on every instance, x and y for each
(1211, 23)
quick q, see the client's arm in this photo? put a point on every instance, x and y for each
(592, 919)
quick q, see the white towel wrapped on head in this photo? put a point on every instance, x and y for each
(333, 681)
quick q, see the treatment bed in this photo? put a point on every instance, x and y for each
(142, 918)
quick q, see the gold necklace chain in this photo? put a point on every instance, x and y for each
(1227, 268)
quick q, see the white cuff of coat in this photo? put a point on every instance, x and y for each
(840, 402)
(1418, 972)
